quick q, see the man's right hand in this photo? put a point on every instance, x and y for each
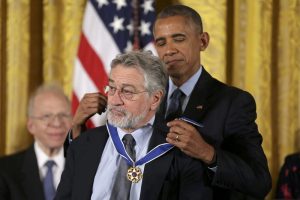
(90, 104)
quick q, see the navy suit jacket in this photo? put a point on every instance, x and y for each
(228, 115)
(19, 177)
(171, 176)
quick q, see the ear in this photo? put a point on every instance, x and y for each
(30, 126)
(204, 41)
(156, 99)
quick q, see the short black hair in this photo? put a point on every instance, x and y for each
(182, 10)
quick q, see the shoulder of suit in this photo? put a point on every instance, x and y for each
(13, 160)
(232, 91)
(91, 134)
(219, 85)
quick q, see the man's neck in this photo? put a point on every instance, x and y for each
(49, 151)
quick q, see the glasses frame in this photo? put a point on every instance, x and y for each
(48, 118)
(122, 92)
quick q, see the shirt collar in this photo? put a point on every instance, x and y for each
(188, 86)
(141, 135)
(42, 157)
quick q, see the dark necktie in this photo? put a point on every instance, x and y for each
(121, 188)
(175, 105)
(49, 189)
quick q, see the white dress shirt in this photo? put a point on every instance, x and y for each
(186, 88)
(108, 166)
(42, 158)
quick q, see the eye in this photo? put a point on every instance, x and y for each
(179, 38)
(160, 43)
(110, 89)
(46, 116)
(63, 116)
(127, 92)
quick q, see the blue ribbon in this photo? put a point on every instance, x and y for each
(151, 155)
(191, 122)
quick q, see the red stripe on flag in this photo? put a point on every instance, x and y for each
(92, 63)
(75, 103)
(89, 124)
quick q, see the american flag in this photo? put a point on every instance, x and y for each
(109, 27)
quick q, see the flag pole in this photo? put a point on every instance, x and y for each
(136, 40)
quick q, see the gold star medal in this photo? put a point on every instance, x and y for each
(134, 174)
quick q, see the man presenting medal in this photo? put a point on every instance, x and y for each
(128, 158)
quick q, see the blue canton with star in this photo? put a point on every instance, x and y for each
(118, 15)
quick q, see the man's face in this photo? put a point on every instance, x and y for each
(178, 44)
(129, 113)
(50, 120)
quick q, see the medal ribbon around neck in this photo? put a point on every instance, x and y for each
(151, 155)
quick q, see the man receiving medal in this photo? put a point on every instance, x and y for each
(128, 158)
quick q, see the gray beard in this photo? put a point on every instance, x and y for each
(128, 121)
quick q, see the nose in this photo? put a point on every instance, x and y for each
(56, 121)
(170, 49)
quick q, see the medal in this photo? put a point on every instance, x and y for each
(134, 174)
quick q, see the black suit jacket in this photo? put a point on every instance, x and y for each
(228, 115)
(171, 176)
(19, 177)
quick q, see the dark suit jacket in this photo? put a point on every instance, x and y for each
(171, 176)
(19, 177)
(228, 115)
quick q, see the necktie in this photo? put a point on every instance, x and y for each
(175, 106)
(121, 188)
(49, 189)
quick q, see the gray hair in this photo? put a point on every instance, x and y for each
(53, 88)
(151, 66)
(181, 10)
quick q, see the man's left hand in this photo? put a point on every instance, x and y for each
(186, 137)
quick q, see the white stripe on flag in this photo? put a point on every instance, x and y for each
(99, 38)
(82, 82)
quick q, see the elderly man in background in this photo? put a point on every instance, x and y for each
(34, 173)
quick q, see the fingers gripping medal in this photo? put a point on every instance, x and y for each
(134, 174)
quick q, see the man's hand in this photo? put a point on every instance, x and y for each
(186, 137)
(90, 104)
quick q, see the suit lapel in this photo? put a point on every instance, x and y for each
(95, 143)
(156, 171)
(201, 97)
(31, 181)
(199, 101)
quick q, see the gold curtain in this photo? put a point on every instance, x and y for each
(254, 45)
(62, 26)
(17, 69)
(38, 44)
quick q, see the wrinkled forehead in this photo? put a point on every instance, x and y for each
(125, 75)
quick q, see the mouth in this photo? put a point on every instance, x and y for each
(116, 112)
(57, 136)
(172, 62)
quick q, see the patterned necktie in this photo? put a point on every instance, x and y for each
(175, 106)
(49, 189)
(121, 188)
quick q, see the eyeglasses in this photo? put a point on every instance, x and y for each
(48, 118)
(123, 92)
